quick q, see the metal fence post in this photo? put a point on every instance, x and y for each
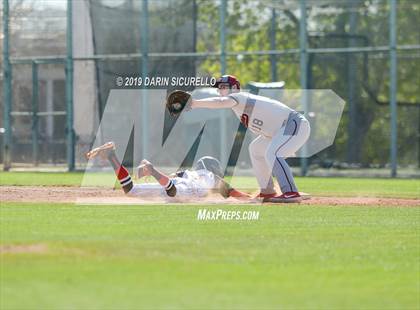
(144, 71)
(303, 41)
(273, 58)
(393, 84)
(69, 89)
(352, 85)
(223, 36)
(35, 95)
(7, 90)
(223, 122)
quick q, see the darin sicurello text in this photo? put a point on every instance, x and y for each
(179, 81)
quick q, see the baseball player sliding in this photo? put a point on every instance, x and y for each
(281, 132)
(205, 178)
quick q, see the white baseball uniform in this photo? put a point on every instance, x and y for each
(281, 132)
(192, 184)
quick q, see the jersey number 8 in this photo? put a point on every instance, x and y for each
(257, 123)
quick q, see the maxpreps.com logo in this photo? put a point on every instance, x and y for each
(224, 215)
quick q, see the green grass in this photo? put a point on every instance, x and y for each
(41, 178)
(401, 188)
(130, 257)
(352, 187)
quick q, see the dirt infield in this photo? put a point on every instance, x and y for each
(23, 248)
(56, 194)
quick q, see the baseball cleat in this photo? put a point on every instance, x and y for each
(144, 169)
(289, 197)
(265, 197)
(102, 150)
(305, 196)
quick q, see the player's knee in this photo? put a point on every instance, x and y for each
(270, 157)
(171, 189)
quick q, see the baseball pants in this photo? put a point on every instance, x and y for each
(268, 154)
(184, 189)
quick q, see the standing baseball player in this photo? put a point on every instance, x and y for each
(281, 132)
(203, 179)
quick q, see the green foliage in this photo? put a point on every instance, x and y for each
(248, 29)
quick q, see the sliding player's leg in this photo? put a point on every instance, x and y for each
(147, 190)
(146, 168)
(107, 151)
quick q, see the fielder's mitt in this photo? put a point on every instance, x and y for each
(177, 101)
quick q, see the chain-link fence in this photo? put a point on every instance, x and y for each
(342, 45)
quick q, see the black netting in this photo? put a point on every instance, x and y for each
(118, 30)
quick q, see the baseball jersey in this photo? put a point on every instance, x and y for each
(260, 114)
(194, 183)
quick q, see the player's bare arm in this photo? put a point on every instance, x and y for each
(226, 190)
(213, 103)
(237, 194)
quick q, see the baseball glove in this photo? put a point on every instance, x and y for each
(177, 101)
